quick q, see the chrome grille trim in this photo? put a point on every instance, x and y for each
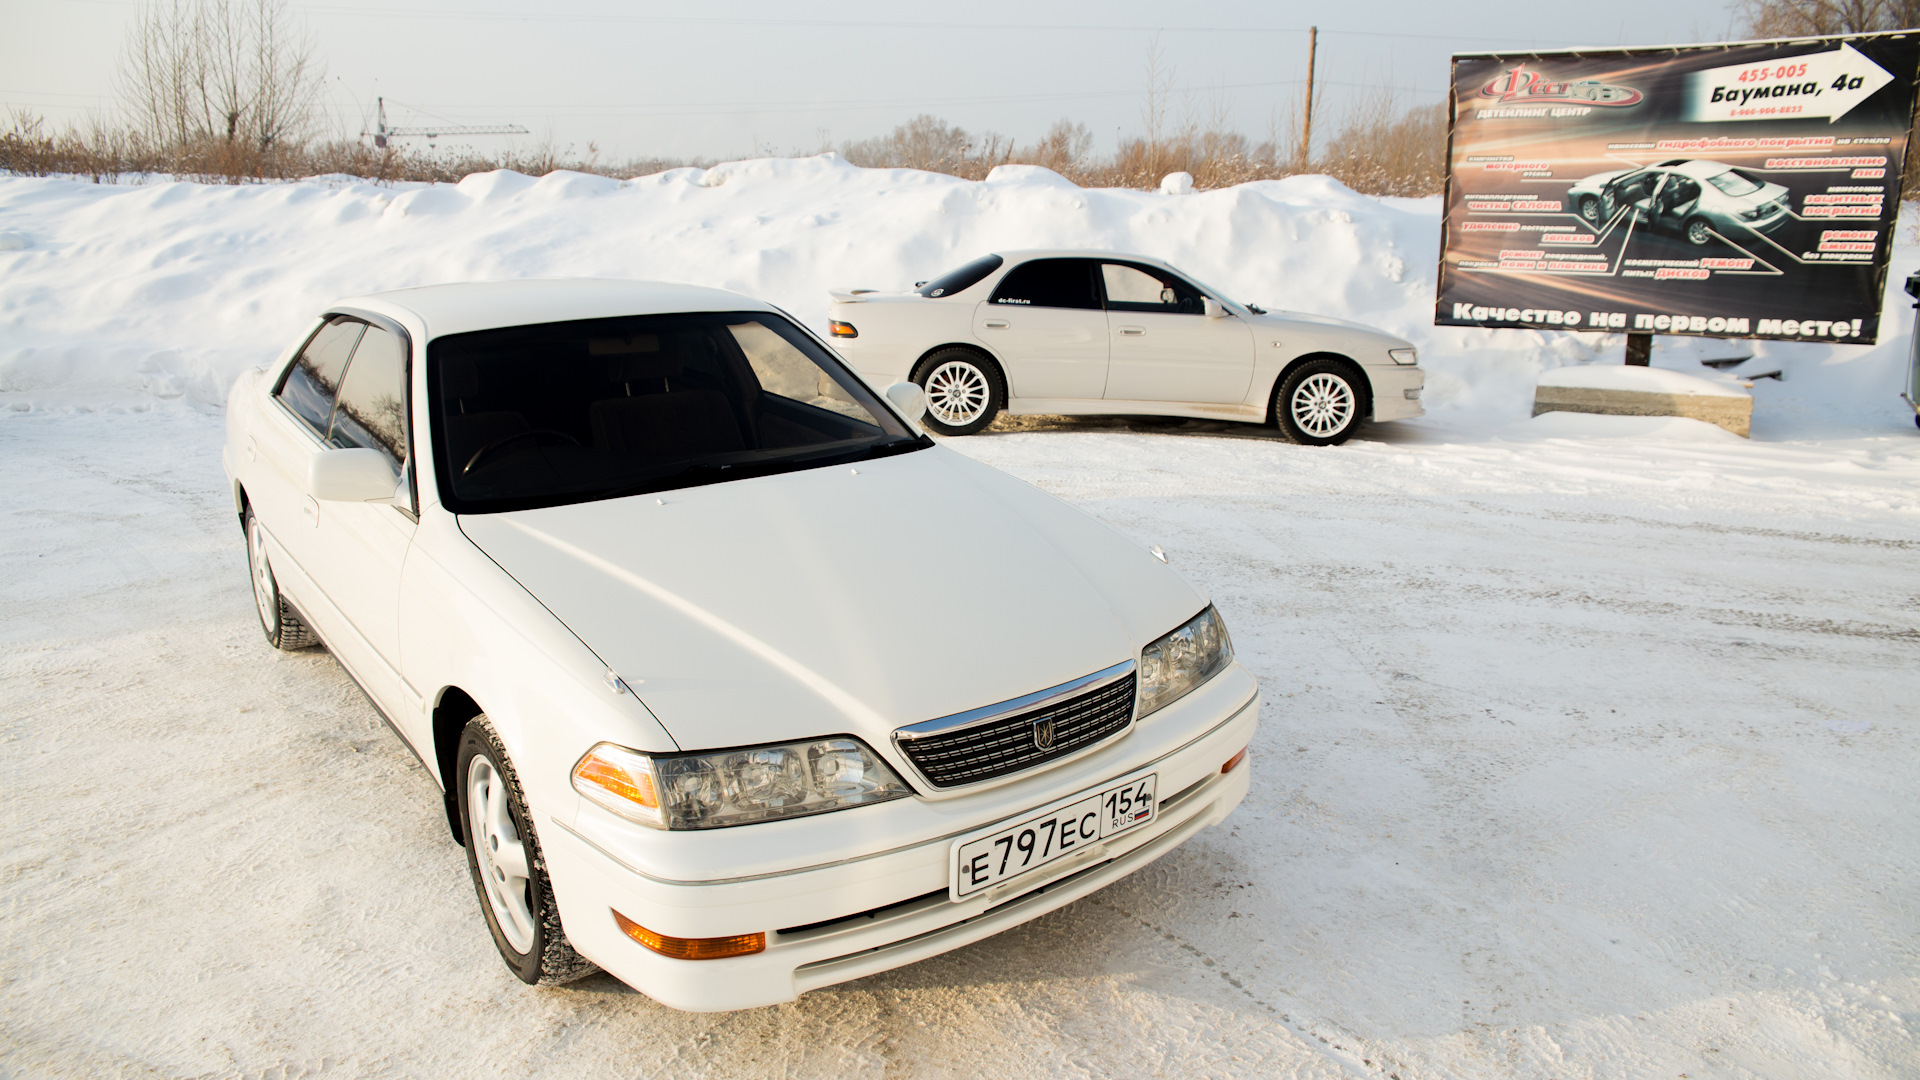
(997, 741)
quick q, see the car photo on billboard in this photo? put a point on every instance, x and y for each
(1694, 199)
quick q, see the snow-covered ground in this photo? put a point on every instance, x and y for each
(1589, 749)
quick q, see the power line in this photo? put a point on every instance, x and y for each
(845, 24)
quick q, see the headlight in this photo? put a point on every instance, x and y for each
(1404, 356)
(735, 787)
(1183, 660)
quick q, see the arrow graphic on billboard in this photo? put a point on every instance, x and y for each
(1827, 84)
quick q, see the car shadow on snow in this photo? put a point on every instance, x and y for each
(1391, 433)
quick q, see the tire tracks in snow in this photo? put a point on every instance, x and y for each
(1348, 1060)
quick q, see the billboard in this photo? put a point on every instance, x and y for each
(1746, 190)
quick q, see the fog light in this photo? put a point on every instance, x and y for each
(1233, 761)
(841, 329)
(699, 948)
(1412, 393)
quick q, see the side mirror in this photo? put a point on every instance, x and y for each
(1214, 308)
(355, 475)
(909, 399)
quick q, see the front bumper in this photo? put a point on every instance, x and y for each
(853, 917)
(1390, 385)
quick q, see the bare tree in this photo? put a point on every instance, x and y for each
(237, 72)
(1808, 18)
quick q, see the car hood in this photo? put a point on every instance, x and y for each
(1279, 320)
(839, 600)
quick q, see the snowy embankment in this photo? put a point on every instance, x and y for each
(131, 293)
(1587, 749)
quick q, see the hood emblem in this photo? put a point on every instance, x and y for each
(1043, 733)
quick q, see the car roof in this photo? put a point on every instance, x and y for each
(1700, 170)
(1079, 253)
(486, 305)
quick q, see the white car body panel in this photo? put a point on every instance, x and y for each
(1178, 365)
(820, 602)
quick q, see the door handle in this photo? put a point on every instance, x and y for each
(996, 324)
(312, 511)
(1133, 331)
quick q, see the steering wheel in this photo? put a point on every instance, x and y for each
(532, 433)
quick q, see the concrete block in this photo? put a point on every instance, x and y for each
(1733, 413)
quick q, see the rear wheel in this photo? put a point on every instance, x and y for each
(503, 857)
(965, 391)
(1319, 404)
(285, 629)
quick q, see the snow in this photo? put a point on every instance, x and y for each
(1588, 749)
(1644, 380)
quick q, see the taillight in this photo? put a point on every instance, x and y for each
(841, 329)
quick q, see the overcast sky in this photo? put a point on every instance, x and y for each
(727, 78)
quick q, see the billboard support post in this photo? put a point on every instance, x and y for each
(1639, 349)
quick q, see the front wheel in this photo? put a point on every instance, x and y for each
(1699, 233)
(965, 391)
(1590, 210)
(1318, 404)
(503, 857)
(285, 629)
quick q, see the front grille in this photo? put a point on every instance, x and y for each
(1006, 745)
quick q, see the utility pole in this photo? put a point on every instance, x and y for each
(1306, 125)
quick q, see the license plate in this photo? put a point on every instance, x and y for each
(985, 861)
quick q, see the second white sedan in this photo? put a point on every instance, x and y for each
(1084, 332)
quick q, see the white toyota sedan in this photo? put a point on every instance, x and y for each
(734, 683)
(1085, 332)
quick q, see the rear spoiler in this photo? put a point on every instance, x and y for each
(850, 296)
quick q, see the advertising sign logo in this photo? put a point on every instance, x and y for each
(1735, 190)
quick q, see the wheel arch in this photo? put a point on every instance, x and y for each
(970, 346)
(451, 711)
(1362, 382)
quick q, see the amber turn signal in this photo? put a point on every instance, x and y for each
(1233, 761)
(699, 948)
(841, 329)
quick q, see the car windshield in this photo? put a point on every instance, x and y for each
(966, 277)
(1733, 183)
(567, 412)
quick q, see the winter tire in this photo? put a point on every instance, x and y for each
(509, 873)
(965, 391)
(286, 630)
(1699, 233)
(1320, 403)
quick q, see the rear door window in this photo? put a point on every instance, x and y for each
(314, 380)
(1056, 283)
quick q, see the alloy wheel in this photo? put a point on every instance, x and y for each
(1322, 405)
(265, 594)
(501, 856)
(957, 393)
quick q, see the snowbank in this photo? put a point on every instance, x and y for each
(118, 296)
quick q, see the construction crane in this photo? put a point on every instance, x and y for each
(382, 132)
